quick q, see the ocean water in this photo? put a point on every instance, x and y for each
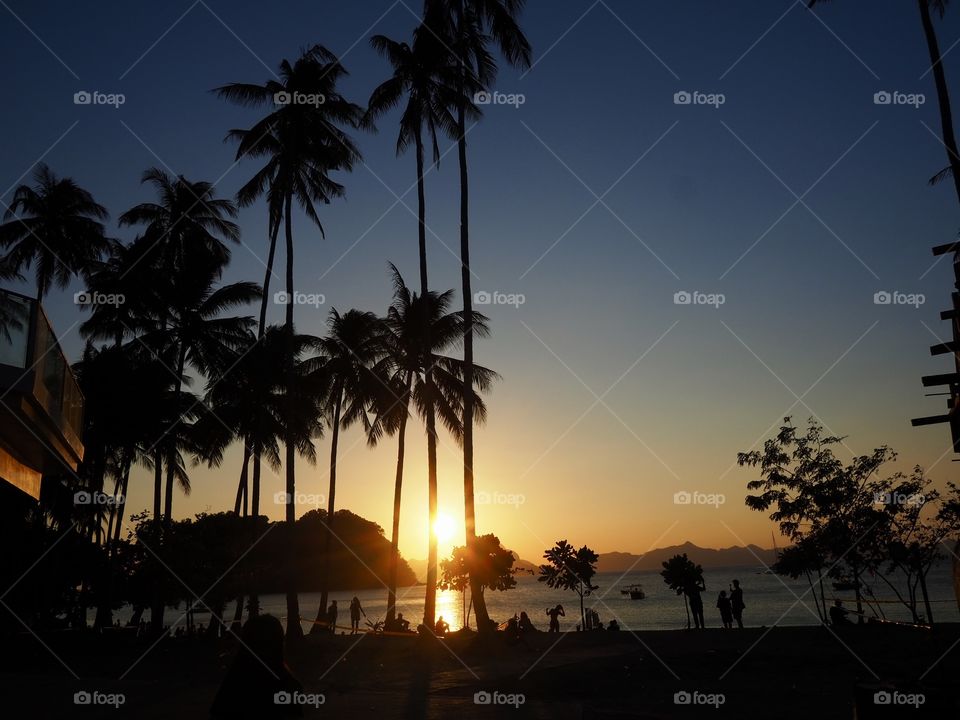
(769, 599)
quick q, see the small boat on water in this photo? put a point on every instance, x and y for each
(634, 591)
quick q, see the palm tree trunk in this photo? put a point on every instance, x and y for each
(943, 92)
(243, 487)
(171, 437)
(398, 487)
(156, 608)
(422, 216)
(430, 597)
(294, 629)
(331, 509)
(469, 514)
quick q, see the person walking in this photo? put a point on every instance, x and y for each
(736, 603)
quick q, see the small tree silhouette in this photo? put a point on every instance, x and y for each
(679, 573)
(570, 569)
(493, 568)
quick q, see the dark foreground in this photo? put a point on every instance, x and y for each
(753, 673)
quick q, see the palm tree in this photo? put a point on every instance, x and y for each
(302, 141)
(55, 226)
(348, 355)
(423, 75)
(468, 27)
(417, 331)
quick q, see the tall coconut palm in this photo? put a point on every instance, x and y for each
(55, 226)
(303, 141)
(418, 329)
(348, 355)
(469, 28)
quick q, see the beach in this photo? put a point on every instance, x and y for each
(757, 672)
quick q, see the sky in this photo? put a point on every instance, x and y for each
(782, 198)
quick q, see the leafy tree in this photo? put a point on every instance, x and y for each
(569, 569)
(680, 574)
(492, 565)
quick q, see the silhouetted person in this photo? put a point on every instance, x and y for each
(555, 614)
(355, 611)
(442, 628)
(736, 603)
(332, 617)
(401, 624)
(726, 614)
(693, 591)
(613, 626)
(838, 614)
(257, 675)
(525, 626)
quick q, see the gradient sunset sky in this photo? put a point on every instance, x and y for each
(600, 198)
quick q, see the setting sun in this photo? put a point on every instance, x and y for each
(444, 527)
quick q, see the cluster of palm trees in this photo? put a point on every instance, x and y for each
(267, 387)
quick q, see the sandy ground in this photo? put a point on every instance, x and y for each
(756, 673)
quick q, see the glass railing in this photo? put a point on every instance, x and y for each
(27, 342)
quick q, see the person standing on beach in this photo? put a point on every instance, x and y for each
(555, 614)
(332, 617)
(723, 604)
(736, 603)
(696, 602)
(355, 610)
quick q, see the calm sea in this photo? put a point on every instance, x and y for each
(769, 599)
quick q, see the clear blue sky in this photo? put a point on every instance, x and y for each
(703, 210)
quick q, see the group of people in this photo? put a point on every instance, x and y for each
(731, 606)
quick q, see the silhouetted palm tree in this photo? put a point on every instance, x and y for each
(418, 330)
(348, 355)
(302, 141)
(56, 227)
(468, 28)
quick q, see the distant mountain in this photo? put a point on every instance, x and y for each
(736, 556)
